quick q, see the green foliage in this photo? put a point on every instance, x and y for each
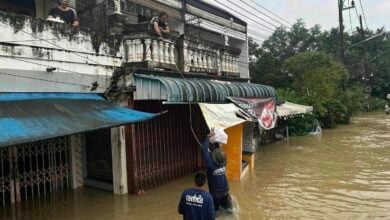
(302, 63)
(299, 126)
(377, 104)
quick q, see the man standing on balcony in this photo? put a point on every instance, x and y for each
(160, 24)
(64, 13)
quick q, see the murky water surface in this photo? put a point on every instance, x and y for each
(342, 174)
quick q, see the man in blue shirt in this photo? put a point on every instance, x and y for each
(195, 203)
(216, 175)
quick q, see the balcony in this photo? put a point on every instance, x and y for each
(144, 50)
(208, 57)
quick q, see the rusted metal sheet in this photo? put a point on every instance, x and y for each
(164, 149)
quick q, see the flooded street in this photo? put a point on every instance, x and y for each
(342, 174)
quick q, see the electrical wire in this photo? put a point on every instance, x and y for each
(190, 109)
(246, 16)
(364, 15)
(271, 12)
(44, 65)
(273, 25)
(264, 14)
(46, 80)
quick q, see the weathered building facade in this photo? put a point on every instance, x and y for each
(115, 53)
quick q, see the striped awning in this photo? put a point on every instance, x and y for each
(177, 90)
(290, 109)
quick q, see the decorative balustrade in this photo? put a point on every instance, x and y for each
(144, 49)
(149, 49)
(200, 58)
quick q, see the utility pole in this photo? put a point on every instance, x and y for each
(366, 75)
(341, 24)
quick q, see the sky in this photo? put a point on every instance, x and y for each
(323, 12)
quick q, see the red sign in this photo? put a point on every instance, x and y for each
(263, 109)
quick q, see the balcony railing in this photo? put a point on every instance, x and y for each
(209, 58)
(144, 49)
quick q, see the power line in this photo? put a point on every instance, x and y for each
(62, 48)
(364, 16)
(246, 16)
(253, 14)
(46, 80)
(264, 14)
(271, 12)
(258, 34)
(51, 66)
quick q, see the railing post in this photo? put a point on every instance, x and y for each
(218, 62)
(128, 49)
(138, 47)
(195, 59)
(223, 62)
(186, 57)
(166, 52)
(209, 66)
(161, 51)
(204, 60)
(236, 64)
(147, 50)
(172, 53)
(155, 51)
(230, 66)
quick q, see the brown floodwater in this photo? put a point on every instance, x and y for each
(342, 174)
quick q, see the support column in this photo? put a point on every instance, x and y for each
(119, 168)
(76, 161)
(119, 164)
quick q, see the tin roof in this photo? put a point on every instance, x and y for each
(178, 90)
(27, 117)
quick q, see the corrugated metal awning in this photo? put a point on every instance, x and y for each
(178, 90)
(26, 117)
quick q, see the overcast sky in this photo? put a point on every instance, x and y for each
(323, 12)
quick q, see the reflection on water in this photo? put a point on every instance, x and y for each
(342, 174)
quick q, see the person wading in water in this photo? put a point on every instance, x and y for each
(216, 171)
(196, 203)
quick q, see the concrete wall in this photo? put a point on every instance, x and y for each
(33, 45)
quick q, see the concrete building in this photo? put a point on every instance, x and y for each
(115, 54)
